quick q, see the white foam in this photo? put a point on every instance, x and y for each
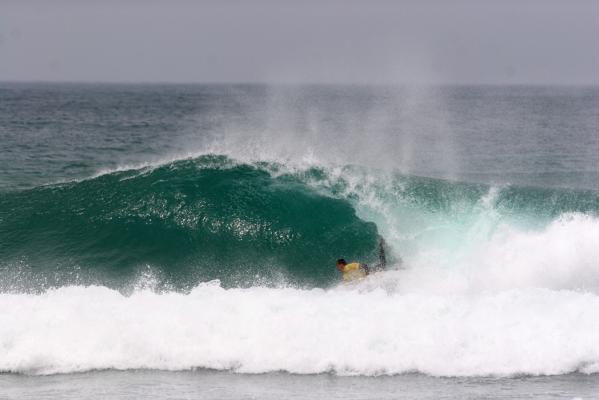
(342, 330)
(474, 248)
(561, 256)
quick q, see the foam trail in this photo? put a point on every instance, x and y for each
(346, 331)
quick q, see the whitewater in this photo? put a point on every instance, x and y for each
(348, 332)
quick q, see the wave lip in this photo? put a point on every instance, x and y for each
(345, 331)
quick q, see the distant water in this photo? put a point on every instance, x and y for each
(195, 228)
(227, 386)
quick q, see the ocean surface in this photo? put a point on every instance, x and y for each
(178, 241)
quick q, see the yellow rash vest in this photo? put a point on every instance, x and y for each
(353, 272)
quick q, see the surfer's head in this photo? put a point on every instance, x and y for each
(340, 264)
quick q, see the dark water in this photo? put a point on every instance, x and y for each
(542, 136)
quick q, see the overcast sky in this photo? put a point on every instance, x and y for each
(419, 42)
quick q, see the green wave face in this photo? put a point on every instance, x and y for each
(210, 218)
(186, 222)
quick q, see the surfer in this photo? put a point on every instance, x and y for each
(355, 271)
(352, 271)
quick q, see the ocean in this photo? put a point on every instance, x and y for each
(179, 241)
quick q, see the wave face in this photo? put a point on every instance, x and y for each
(175, 225)
(183, 223)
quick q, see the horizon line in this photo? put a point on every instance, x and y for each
(307, 83)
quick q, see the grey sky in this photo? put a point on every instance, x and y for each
(477, 41)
